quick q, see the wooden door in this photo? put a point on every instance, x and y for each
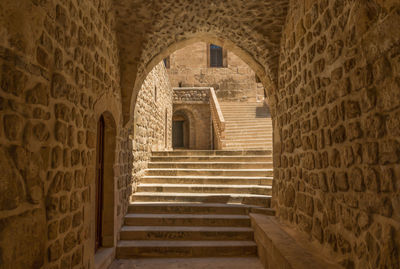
(99, 182)
(177, 134)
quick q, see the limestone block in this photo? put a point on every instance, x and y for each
(12, 186)
(22, 241)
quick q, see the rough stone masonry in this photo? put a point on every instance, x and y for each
(332, 68)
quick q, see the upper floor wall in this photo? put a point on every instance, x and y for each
(234, 80)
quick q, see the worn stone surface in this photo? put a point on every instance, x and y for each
(58, 61)
(152, 121)
(330, 71)
(195, 263)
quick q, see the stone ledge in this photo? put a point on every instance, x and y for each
(103, 258)
(277, 249)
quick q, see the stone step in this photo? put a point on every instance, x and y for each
(252, 119)
(188, 208)
(208, 180)
(208, 172)
(185, 233)
(240, 108)
(211, 158)
(187, 220)
(247, 131)
(243, 108)
(240, 117)
(249, 122)
(246, 139)
(247, 113)
(165, 248)
(249, 139)
(265, 127)
(254, 134)
(248, 145)
(211, 165)
(232, 139)
(213, 153)
(249, 199)
(205, 189)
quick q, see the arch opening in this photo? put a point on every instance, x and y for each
(183, 130)
(263, 75)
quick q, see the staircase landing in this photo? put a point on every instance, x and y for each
(194, 263)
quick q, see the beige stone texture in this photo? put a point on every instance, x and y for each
(336, 157)
(195, 263)
(152, 126)
(234, 82)
(331, 70)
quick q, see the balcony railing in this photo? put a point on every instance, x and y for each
(217, 119)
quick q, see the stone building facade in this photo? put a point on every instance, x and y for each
(235, 81)
(331, 70)
(152, 129)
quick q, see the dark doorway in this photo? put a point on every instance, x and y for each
(99, 182)
(177, 134)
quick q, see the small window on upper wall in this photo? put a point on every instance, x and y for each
(155, 94)
(258, 80)
(167, 62)
(216, 56)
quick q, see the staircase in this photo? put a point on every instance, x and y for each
(197, 204)
(247, 126)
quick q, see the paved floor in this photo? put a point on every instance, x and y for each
(195, 263)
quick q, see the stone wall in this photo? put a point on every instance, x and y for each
(336, 140)
(153, 108)
(235, 82)
(59, 73)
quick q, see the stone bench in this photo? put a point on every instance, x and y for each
(277, 249)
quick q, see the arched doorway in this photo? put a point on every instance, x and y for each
(180, 131)
(104, 184)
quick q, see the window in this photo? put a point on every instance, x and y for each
(216, 56)
(155, 94)
(167, 62)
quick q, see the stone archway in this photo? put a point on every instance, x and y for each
(148, 32)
